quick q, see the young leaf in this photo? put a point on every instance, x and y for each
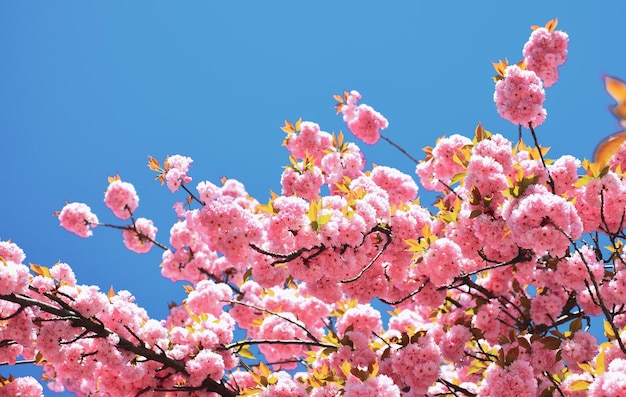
(245, 352)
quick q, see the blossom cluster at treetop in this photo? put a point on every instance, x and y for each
(491, 292)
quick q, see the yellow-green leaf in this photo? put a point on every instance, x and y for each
(40, 270)
(245, 352)
(608, 330)
(579, 384)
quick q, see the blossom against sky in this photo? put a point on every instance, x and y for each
(89, 90)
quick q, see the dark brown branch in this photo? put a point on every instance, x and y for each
(296, 323)
(134, 229)
(543, 161)
(193, 196)
(417, 291)
(605, 309)
(454, 388)
(243, 343)
(387, 234)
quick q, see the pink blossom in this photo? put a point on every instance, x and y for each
(63, 273)
(442, 262)
(11, 252)
(515, 380)
(208, 297)
(347, 162)
(581, 348)
(310, 140)
(602, 202)
(378, 386)
(363, 121)
(486, 319)
(177, 168)
(400, 187)
(544, 52)
(26, 386)
(539, 219)
(572, 272)
(140, 238)
(121, 198)
(564, 172)
(302, 182)
(442, 166)
(362, 318)
(78, 219)
(519, 97)
(543, 359)
(453, 342)
(274, 327)
(545, 308)
(205, 364)
(498, 148)
(417, 365)
(487, 176)
(612, 382)
(496, 243)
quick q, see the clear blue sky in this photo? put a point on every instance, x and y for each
(89, 89)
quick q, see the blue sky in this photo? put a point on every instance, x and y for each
(89, 89)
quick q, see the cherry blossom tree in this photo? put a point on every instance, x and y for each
(490, 292)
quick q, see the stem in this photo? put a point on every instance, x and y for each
(401, 149)
(296, 323)
(133, 228)
(243, 343)
(193, 196)
(605, 309)
(387, 234)
(417, 291)
(543, 161)
(392, 143)
(454, 388)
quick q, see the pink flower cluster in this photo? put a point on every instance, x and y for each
(296, 312)
(139, 238)
(542, 221)
(378, 386)
(177, 168)
(544, 52)
(121, 198)
(519, 97)
(363, 121)
(481, 290)
(416, 365)
(302, 181)
(26, 386)
(611, 383)
(515, 380)
(13, 278)
(84, 365)
(441, 167)
(78, 219)
(442, 262)
(310, 140)
(601, 203)
(400, 187)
